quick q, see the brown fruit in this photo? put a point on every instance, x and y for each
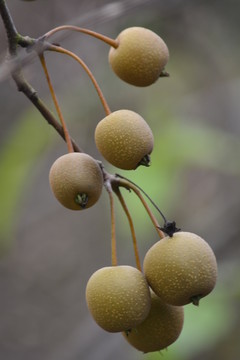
(124, 139)
(118, 297)
(76, 180)
(160, 329)
(140, 57)
(181, 269)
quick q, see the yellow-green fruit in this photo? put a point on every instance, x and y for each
(181, 269)
(124, 139)
(140, 56)
(76, 180)
(118, 297)
(160, 329)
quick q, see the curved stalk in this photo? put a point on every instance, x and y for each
(66, 132)
(87, 70)
(129, 185)
(148, 197)
(134, 239)
(106, 39)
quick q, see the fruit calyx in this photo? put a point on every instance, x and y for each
(169, 228)
(195, 299)
(146, 161)
(82, 200)
(164, 74)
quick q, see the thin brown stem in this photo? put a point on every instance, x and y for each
(88, 71)
(55, 100)
(128, 185)
(106, 39)
(134, 239)
(113, 223)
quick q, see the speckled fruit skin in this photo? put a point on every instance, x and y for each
(160, 329)
(73, 174)
(124, 138)
(181, 269)
(140, 57)
(118, 297)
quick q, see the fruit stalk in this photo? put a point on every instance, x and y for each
(66, 132)
(134, 239)
(128, 185)
(113, 223)
(88, 71)
(98, 36)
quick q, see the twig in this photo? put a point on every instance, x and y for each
(14, 39)
(11, 30)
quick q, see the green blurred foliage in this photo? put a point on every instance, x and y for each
(26, 141)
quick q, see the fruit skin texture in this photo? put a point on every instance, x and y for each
(118, 297)
(140, 57)
(73, 174)
(160, 329)
(124, 139)
(181, 269)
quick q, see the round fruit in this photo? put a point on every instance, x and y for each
(140, 57)
(124, 139)
(118, 297)
(160, 329)
(76, 180)
(181, 269)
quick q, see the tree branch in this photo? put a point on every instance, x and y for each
(11, 30)
(31, 94)
(14, 39)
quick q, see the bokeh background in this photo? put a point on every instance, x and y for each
(48, 252)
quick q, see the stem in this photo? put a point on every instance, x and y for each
(31, 94)
(11, 30)
(134, 239)
(169, 227)
(88, 71)
(106, 39)
(128, 185)
(147, 196)
(66, 132)
(17, 75)
(113, 223)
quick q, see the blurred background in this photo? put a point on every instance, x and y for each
(48, 252)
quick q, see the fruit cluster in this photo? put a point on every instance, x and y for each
(146, 306)
(123, 137)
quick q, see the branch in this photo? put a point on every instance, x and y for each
(11, 30)
(31, 94)
(14, 39)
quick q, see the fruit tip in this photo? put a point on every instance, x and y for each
(195, 300)
(81, 200)
(146, 161)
